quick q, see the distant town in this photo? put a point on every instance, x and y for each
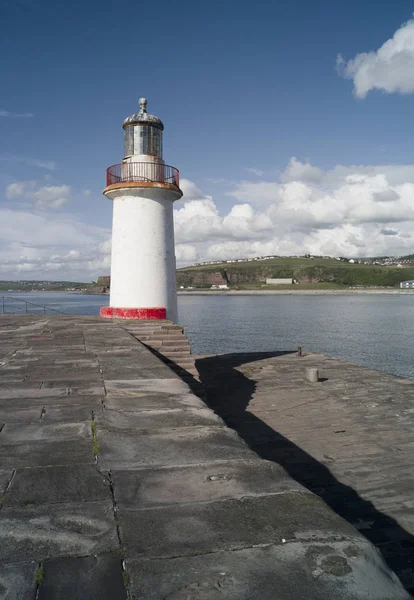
(388, 261)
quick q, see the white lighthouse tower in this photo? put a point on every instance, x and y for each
(143, 189)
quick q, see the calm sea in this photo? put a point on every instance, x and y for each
(371, 330)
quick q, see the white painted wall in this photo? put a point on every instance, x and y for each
(143, 255)
(280, 281)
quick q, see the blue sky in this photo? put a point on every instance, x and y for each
(242, 88)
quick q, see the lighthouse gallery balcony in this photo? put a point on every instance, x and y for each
(142, 172)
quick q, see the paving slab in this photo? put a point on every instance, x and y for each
(43, 453)
(89, 578)
(62, 484)
(130, 387)
(56, 530)
(292, 571)
(176, 447)
(18, 581)
(24, 391)
(63, 375)
(11, 414)
(201, 528)
(148, 400)
(159, 419)
(74, 387)
(149, 488)
(71, 413)
(20, 432)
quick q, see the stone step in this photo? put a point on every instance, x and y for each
(186, 360)
(176, 348)
(177, 357)
(175, 342)
(172, 328)
(141, 332)
(161, 335)
(186, 367)
(156, 345)
(188, 374)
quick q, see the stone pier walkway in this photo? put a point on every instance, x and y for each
(117, 482)
(349, 438)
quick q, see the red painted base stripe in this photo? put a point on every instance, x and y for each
(109, 312)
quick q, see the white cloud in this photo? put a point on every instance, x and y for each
(190, 191)
(347, 211)
(53, 196)
(50, 165)
(199, 221)
(298, 171)
(14, 115)
(51, 246)
(390, 68)
(185, 253)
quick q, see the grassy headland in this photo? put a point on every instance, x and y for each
(308, 272)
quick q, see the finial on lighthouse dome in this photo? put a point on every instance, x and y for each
(143, 117)
(142, 105)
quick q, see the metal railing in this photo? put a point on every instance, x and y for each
(151, 172)
(17, 306)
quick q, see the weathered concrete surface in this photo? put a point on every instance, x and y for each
(348, 438)
(116, 480)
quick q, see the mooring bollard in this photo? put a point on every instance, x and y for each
(312, 375)
(299, 350)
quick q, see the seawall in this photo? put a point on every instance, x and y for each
(117, 481)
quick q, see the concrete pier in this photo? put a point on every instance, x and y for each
(117, 482)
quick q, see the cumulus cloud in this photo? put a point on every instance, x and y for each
(298, 171)
(390, 68)
(47, 245)
(190, 191)
(185, 253)
(199, 220)
(346, 211)
(14, 115)
(43, 197)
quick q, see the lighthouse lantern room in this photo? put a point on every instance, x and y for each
(143, 189)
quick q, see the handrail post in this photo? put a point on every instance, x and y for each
(26, 307)
(44, 310)
(2, 305)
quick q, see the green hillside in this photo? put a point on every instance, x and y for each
(304, 270)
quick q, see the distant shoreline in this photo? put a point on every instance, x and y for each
(293, 292)
(257, 292)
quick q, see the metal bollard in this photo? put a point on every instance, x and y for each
(300, 351)
(312, 375)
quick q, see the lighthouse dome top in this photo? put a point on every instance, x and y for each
(143, 117)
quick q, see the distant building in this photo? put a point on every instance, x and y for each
(287, 281)
(407, 284)
(219, 287)
(104, 281)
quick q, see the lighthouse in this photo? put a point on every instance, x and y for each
(143, 189)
